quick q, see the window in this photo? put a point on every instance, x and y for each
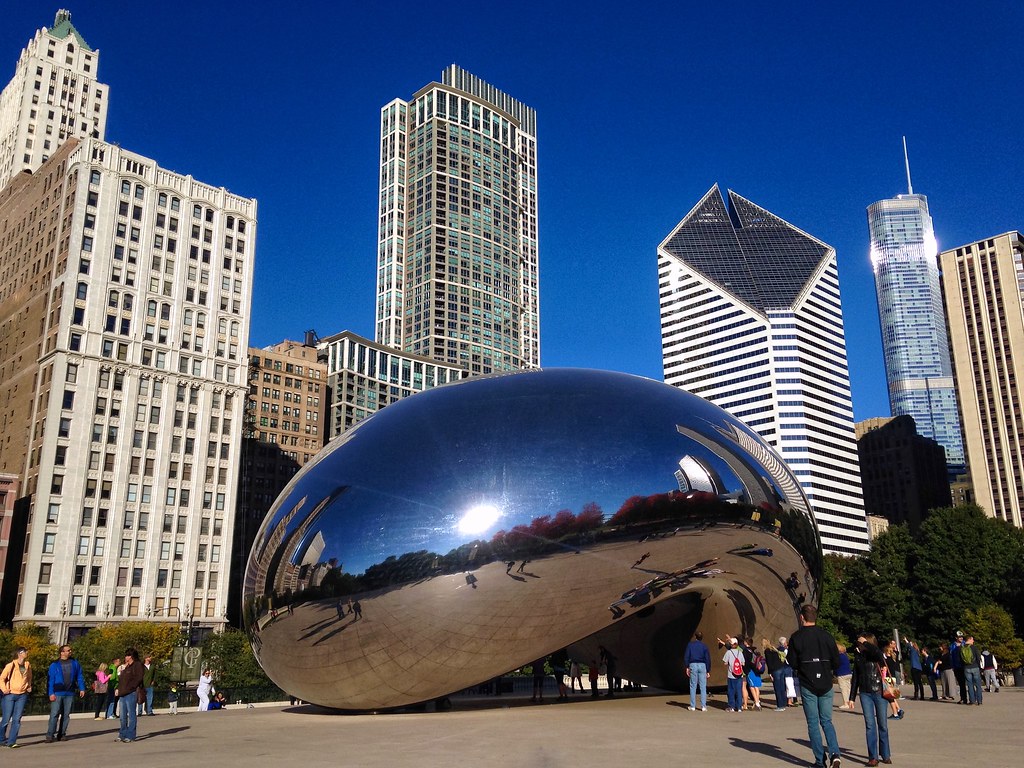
(44, 572)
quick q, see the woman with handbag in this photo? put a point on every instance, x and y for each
(869, 672)
(892, 678)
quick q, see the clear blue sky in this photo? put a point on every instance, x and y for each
(641, 108)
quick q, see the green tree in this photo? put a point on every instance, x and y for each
(109, 641)
(33, 638)
(876, 592)
(230, 657)
(965, 560)
(993, 630)
(830, 605)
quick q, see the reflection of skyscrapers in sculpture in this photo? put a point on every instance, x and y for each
(751, 320)
(266, 552)
(754, 488)
(983, 283)
(904, 257)
(294, 547)
(457, 235)
(695, 475)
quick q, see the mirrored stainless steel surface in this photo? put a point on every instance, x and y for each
(470, 529)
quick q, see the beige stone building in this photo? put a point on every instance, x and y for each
(285, 427)
(53, 96)
(124, 305)
(983, 284)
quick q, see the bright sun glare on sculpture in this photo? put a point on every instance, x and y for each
(479, 519)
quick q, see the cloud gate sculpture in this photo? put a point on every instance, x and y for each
(466, 531)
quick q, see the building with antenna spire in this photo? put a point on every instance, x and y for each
(904, 258)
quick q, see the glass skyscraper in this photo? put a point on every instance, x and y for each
(904, 257)
(457, 270)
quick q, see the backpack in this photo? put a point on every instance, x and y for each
(737, 665)
(759, 663)
(967, 654)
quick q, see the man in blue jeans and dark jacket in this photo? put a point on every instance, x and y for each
(697, 662)
(814, 656)
(63, 680)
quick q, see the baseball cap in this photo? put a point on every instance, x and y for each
(734, 641)
(959, 633)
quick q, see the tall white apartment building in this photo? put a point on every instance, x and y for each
(54, 95)
(457, 269)
(124, 312)
(751, 320)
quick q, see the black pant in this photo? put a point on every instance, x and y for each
(918, 683)
(931, 682)
(958, 673)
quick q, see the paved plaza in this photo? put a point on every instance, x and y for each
(647, 731)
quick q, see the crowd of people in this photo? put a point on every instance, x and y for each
(124, 688)
(804, 669)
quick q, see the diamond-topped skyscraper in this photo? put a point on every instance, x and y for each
(904, 256)
(751, 320)
(457, 253)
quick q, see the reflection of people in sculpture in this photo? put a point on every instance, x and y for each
(594, 673)
(521, 566)
(609, 660)
(508, 566)
(574, 675)
(471, 580)
(793, 582)
(643, 557)
(341, 608)
(538, 680)
(357, 609)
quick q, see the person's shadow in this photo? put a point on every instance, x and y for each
(769, 750)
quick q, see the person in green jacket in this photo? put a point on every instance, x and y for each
(115, 671)
(147, 683)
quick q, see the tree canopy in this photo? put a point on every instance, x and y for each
(961, 569)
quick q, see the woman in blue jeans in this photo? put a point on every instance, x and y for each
(15, 685)
(868, 663)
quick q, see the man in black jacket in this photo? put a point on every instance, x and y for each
(815, 658)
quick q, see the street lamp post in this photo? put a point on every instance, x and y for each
(61, 630)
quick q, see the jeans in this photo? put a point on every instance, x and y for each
(61, 705)
(972, 684)
(698, 676)
(818, 712)
(147, 703)
(779, 684)
(735, 693)
(129, 718)
(991, 681)
(111, 700)
(915, 674)
(876, 722)
(13, 706)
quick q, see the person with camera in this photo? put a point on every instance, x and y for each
(869, 670)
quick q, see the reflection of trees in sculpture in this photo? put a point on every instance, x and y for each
(693, 507)
(545, 534)
(546, 530)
